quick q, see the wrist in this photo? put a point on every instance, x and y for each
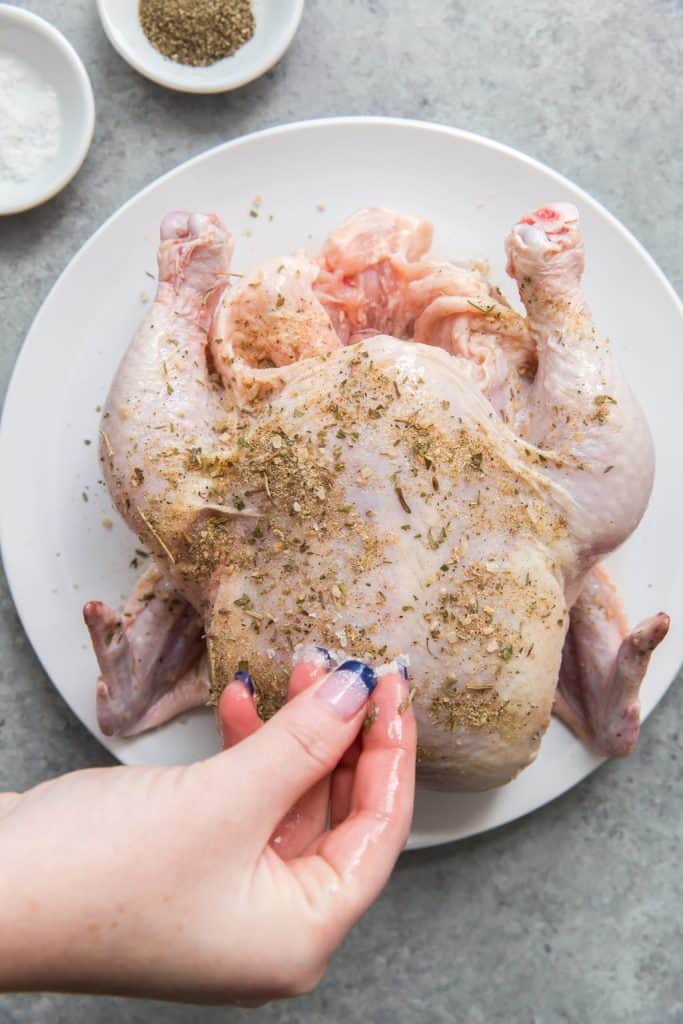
(47, 938)
(22, 913)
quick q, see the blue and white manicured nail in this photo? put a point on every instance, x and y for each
(243, 677)
(319, 656)
(347, 689)
(399, 666)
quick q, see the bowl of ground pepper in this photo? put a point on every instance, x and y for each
(202, 46)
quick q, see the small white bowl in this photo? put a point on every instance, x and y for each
(40, 45)
(276, 24)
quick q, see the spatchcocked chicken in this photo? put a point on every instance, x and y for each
(373, 451)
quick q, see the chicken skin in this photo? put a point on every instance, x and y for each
(373, 451)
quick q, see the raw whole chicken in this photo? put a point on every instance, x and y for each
(373, 451)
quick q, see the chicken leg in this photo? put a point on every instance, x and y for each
(591, 433)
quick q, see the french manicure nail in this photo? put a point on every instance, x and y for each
(399, 666)
(243, 677)
(314, 653)
(346, 691)
(326, 655)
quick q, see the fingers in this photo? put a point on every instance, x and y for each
(238, 719)
(389, 739)
(308, 818)
(342, 783)
(312, 664)
(237, 714)
(362, 850)
(303, 742)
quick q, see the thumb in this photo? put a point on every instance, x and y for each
(304, 741)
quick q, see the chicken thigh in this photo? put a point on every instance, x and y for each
(440, 492)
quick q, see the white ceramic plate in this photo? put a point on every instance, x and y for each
(276, 24)
(44, 49)
(57, 553)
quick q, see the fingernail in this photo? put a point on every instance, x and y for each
(243, 677)
(399, 665)
(326, 655)
(313, 653)
(346, 691)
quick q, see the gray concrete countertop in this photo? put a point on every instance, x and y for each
(573, 914)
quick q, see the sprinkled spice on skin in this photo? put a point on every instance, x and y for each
(197, 32)
(279, 487)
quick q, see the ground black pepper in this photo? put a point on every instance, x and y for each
(197, 32)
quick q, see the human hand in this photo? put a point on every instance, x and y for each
(218, 881)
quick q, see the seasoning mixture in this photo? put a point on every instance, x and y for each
(30, 121)
(197, 32)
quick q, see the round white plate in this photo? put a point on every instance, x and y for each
(38, 43)
(276, 24)
(310, 176)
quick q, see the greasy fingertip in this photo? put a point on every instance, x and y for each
(399, 665)
(390, 720)
(305, 674)
(315, 654)
(237, 714)
(235, 694)
(243, 677)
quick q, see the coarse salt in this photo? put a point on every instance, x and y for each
(30, 121)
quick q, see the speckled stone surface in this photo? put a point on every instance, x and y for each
(573, 914)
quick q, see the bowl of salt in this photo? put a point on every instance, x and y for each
(47, 110)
